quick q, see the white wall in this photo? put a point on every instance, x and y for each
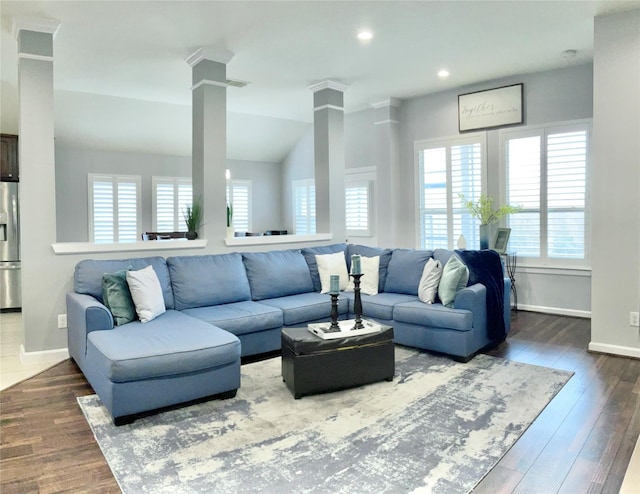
(74, 164)
(616, 184)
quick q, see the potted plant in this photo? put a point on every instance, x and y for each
(230, 232)
(193, 217)
(483, 210)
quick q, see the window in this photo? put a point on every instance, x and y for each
(547, 169)
(304, 207)
(239, 195)
(171, 196)
(114, 208)
(357, 208)
(446, 169)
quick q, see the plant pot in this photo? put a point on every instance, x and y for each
(191, 235)
(485, 231)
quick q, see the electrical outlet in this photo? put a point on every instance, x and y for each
(634, 319)
(62, 321)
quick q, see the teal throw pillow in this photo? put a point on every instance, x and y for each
(455, 277)
(117, 297)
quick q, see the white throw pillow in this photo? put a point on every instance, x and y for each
(370, 275)
(329, 264)
(428, 287)
(146, 293)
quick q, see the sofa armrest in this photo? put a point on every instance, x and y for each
(474, 298)
(84, 314)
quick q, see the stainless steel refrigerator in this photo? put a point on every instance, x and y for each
(10, 275)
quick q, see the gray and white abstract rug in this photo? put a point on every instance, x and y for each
(439, 427)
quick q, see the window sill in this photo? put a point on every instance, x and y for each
(275, 239)
(553, 270)
(64, 248)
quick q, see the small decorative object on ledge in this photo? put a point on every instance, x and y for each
(484, 211)
(462, 242)
(192, 218)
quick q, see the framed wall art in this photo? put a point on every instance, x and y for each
(491, 108)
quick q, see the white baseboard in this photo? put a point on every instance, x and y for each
(558, 311)
(623, 351)
(43, 357)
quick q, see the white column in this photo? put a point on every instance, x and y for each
(209, 145)
(615, 184)
(386, 142)
(37, 181)
(328, 132)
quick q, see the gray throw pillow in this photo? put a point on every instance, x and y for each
(455, 277)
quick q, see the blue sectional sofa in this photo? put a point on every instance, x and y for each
(220, 308)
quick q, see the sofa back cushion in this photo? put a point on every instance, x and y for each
(87, 278)
(442, 255)
(310, 254)
(277, 273)
(405, 270)
(366, 251)
(201, 281)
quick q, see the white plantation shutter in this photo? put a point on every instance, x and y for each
(357, 202)
(524, 157)
(304, 207)
(446, 169)
(239, 195)
(547, 176)
(171, 198)
(566, 194)
(114, 208)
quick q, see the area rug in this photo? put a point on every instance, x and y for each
(439, 427)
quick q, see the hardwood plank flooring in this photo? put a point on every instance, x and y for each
(581, 443)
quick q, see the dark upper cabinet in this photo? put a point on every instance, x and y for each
(9, 157)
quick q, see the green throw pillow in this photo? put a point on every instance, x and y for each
(117, 297)
(455, 277)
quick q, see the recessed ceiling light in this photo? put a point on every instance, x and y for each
(443, 73)
(365, 35)
(569, 53)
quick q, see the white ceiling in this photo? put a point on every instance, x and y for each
(122, 83)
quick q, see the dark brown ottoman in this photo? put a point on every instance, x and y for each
(311, 364)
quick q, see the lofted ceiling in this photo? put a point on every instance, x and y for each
(121, 80)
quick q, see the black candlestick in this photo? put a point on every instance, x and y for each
(334, 314)
(357, 301)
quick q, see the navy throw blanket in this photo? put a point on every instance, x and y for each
(485, 267)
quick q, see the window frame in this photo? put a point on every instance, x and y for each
(178, 218)
(448, 143)
(231, 184)
(543, 131)
(92, 178)
(309, 184)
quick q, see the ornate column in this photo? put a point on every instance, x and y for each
(209, 141)
(328, 132)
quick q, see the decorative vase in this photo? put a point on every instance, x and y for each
(191, 235)
(462, 242)
(484, 236)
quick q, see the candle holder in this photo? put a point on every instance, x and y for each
(357, 301)
(334, 314)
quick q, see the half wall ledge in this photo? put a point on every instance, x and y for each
(276, 239)
(64, 248)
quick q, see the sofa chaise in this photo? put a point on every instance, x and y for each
(219, 308)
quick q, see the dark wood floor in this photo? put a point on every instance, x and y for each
(581, 443)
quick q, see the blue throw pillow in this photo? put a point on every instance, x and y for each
(117, 297)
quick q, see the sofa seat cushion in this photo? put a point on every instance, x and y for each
(381, 306)
(240, 317)
(433, 316)
(306, 307)
(171, 344)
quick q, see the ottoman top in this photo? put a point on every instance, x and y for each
(303, 342)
